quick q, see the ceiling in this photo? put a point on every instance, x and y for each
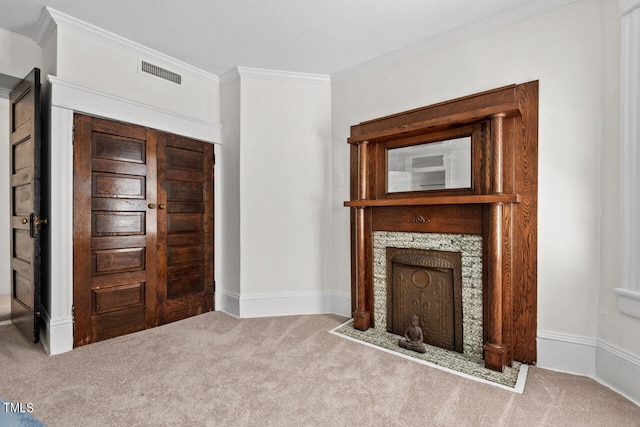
(311, 36)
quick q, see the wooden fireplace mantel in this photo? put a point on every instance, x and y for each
(500, 205)
(442, 200)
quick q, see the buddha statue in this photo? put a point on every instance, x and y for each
(413, 338)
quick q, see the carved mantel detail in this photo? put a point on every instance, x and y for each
(419, 220)
(500, 205)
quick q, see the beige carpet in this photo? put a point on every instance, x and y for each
(5, 307)
(216, 370)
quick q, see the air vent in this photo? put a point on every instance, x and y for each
(158, 71)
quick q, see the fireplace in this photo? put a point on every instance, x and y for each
(483, 151)
(427, 284)
(469, 248)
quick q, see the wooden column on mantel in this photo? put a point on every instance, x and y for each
(500, 205)
(361, 316)
(494, 348)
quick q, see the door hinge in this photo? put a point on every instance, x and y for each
(73, 316)
(214, 160)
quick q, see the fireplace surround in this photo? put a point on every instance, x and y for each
(499, 206)
(388, 245)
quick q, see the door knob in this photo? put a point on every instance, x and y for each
(24, 220)
(162, 206)
(152, 205)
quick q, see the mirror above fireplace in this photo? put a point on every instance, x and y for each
(437, 165)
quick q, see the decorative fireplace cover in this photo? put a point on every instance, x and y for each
(429, 284)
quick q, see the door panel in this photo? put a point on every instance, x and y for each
(136, 266)
(114, 229)
(24, 137)
(185, 228)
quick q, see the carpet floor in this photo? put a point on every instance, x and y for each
(5, 307)
(215, 370)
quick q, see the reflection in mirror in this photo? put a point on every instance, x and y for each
(434, 166)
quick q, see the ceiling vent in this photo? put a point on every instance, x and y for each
(163, 73)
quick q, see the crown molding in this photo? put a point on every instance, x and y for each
(627, 6)
(73, 24)
(44, 28)
(265, 74)
(229, 76)
(468, 31)
(290, 76)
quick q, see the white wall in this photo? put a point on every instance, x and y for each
(279, 149)
(574, 52)
(18, 56)
(229, 286)
(561, 49)
(613, 327)
(105, 62)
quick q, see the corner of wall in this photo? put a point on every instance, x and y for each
(613, 367)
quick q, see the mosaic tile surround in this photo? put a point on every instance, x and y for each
(470, 247)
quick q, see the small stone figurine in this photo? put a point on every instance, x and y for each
(413, 338)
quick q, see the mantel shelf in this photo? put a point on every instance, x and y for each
(437, 200)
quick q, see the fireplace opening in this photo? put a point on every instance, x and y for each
(426, 283)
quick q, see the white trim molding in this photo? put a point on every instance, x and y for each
(342, 303)
(579, 355)
(629, 291)
(69, 95)
(57, 334)
(62, 329)
(286, 76)
(63, 20)
(44, 28)
(619, 370)
(568, 353)
(292, 303)
(228, 302)
(627, 6)
(628, 302)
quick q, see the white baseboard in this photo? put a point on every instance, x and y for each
(286, 303)
(229, 302)
(619, 370)
(342, 304)
(57, 335)
(568, 353)
(611, 366)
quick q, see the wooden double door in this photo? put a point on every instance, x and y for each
(143, 228)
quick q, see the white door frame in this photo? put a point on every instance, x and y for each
(66, 99)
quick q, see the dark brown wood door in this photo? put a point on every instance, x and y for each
(143, 228)
(25, 205)
(114, 229)
(185, 228)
